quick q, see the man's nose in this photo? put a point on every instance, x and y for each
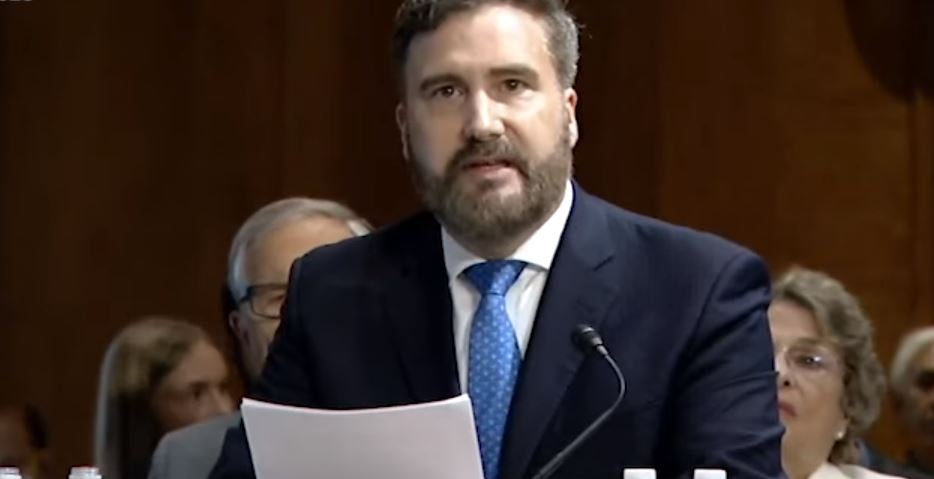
(484, 118)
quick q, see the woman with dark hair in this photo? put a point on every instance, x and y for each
(158, 375)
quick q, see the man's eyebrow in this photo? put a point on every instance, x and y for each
(432, 81)
(515, 70)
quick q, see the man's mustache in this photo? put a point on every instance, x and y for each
(481, 151)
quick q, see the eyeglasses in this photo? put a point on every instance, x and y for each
(924, 380)
(811, 360)
(265, 299)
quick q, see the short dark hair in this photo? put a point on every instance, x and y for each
(416, 17)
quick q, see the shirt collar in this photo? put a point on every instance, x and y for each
(537, 251)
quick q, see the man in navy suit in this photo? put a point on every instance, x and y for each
(481, 293)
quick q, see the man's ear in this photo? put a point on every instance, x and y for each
(570, 101)
(403, 125)
(235, 321)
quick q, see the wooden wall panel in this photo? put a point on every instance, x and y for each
(616, 157)
(340, 139)
(923, 107)
(136, 136)
(781, 130)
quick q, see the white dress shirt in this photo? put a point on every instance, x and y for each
(521, 299)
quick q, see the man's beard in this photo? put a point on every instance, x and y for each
(472, 211)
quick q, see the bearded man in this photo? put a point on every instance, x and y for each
(482, 292)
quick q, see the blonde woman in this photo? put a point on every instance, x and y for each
(158, 375)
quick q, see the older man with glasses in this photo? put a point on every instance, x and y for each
(258, 271)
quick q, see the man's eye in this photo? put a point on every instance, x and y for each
(446, 91)
(513, 84)
(272, 299)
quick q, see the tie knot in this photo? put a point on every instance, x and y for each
(494, 277)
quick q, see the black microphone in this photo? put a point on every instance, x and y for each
(588, 340)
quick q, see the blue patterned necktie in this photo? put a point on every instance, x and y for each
(494, 357)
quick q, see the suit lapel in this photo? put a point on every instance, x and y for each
(579, 291)
(417, 302)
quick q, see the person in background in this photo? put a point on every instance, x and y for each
(24, 440)
(830, 383)
(912, 393)
(158, 375)
(258, 267)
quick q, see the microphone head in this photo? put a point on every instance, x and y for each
(587, 338)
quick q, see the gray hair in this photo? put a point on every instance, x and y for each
(910, 347)
(841, 319)
(275, 215)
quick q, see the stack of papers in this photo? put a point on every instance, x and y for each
(421, 441)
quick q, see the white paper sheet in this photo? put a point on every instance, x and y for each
(421, 441)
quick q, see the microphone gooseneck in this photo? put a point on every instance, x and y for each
(589, 341)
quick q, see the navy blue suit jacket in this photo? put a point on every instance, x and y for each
(368, 323)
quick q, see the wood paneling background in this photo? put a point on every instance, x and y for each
(797, 128)
(134, 137)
